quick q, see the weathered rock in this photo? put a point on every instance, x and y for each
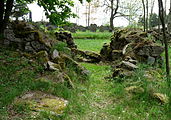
(129, 59)
(128, 65)
(116, 54)
(53, 105)
(120, 72)
(25, 37)
(39, 101)
(149, 50)
(106, 52)
(124, 69)
(88, 56)
(53, 66)
(93, 56)
(42, 57)
(28, 48)
(150, 60)
(37, 46)
(66, 37)
(161, 98)
(55, 54)
(133, 43)
(78, 68)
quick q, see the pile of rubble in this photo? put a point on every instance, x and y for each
(25, 37)
(86, 56)
(78, 55)
(66, 37)
(39, 47)
(130, 47)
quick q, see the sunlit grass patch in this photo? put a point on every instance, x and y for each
(91, 44)
(92, 35)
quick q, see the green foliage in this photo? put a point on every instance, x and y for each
(19, 75)
(153, 20)
(58, 11)
(20, 9)
(140, 104)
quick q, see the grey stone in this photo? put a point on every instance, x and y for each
(30, 37)
(9, 35)
(156, 50)
(37, 46)
(150, 50)
(129, 59)
(29, 27)
(150, 60)
(29, 49)
(129, 65)
(6, 42)
(51, 66)
(55, 54)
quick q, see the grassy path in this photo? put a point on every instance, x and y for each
(98, 94)
(103, 99)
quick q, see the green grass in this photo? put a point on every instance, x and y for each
(91, 44)
(108, 99)
(92, 35)
(140, 106)
(96, 98)
(94, 95)
(17, 76)
(20, 75)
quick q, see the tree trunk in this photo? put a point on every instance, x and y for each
(161, 15)
(89, 12)
(147, 15)
(30, 16)
(151, 12)
(144, 15)
(169, 20)
(1, 17)
(165, 14)
(111, 22)
(112, 15)
(4, 14)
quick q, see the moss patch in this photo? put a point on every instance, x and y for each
(37, 102)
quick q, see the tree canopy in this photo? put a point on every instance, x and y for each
(58, 11)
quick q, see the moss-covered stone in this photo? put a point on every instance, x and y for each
(38, 101)
(161, 97)
(134, 43)
(58, 67)
(89, 55)
(42, 57)
(55, 106)
(116, 54)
